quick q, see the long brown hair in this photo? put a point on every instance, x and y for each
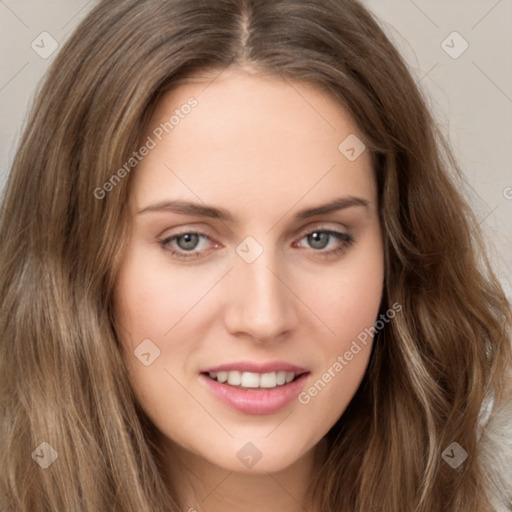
(63, 381)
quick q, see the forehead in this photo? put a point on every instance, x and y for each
(250, 136)
(238, 102)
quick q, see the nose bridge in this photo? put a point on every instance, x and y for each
(259, 304)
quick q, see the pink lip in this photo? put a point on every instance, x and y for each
(255, 401)
(248, 366)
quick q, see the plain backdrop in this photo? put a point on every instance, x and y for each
(458, 50)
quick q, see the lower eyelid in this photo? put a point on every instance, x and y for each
(343, 238)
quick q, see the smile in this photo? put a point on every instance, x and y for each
(254, 380)
(255, 389)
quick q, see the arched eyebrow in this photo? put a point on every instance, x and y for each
(202, 210)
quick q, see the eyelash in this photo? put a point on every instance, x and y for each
(345, 240)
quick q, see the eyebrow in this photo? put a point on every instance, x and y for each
(201, 210)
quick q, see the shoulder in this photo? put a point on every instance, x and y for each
(496, 454)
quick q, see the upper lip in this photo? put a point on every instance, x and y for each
(249, 366)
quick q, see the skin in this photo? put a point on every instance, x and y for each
(263, 149)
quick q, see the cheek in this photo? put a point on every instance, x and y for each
(347, 296)
(151, 298)
(148, 304)
(344, 356)
(348, 305)
(351, 303)
(154, 305)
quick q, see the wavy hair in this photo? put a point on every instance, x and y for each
(62, 375)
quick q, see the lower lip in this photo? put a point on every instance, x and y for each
(256, 401)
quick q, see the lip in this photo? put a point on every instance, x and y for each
(250, 366)
(255, 401)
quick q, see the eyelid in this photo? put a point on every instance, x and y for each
(344, 237)
(322, 226)
(310, 228)
(199, 233)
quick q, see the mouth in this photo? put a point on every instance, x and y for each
(253, 380)
(250, 391)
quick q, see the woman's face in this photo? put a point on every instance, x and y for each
(255, 263)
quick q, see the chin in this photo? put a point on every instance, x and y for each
(258, 456)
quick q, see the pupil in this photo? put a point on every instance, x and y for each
(318, 240)
(190, 241)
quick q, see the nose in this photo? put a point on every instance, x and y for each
(260, 303)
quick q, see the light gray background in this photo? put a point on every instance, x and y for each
(471, 95)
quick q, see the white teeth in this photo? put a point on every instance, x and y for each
(234, 378)
(268, 380)
(250, 380)
(221, 376)
(253, 380)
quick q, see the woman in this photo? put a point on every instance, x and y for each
(237, 272)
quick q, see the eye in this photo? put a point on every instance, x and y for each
(182, 243)
(187, 245)
(320, 239)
